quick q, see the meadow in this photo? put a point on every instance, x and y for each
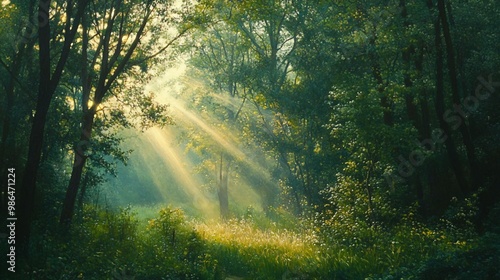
(110, 244)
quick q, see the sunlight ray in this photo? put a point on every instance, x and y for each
(216, 136)
(159, 139)
(226, 141)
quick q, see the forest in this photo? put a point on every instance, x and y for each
(250, 139)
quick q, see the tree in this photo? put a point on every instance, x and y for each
(17, 49)
(114, 54)
(47, 85)
(270, 30)
(222, 54)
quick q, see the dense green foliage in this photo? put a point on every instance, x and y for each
(107, 244)
(335, 139)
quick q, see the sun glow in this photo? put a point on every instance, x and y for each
(216, 136)
(173, 171)
(226, 140)
(160, 141)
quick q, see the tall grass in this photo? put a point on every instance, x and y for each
(106, 244)
(248, 251)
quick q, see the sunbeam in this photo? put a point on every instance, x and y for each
(227, 141)
(159, 140)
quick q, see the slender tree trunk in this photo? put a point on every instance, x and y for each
(83, 191)
(78, 165)
(377, 75)
(9, 102)
(452, 70)
(411, 107)
(47, 85)
(425, 133)
(109, 70)
(292, 180)
(407, 52)
(449, 143)
(223, 189)
(45, 92)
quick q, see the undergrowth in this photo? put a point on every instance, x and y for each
(104, 244)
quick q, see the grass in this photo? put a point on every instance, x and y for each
(164, 244)
(247, 251)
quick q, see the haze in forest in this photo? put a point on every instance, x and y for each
(162, 170)
(253, 139)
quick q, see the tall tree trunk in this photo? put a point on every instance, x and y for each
(222, 191)
(45, 92)
(46, 88)
(452, 70)
(83, 191)
(408, 51)
(411, 107)
(424, 132)
(78, 165)
(110, 68)
(450, 145)
(377, 75)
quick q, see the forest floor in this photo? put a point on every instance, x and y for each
(107, 244)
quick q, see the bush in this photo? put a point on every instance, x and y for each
(105, 244)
